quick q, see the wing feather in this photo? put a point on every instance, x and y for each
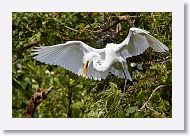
(59, 58)
(138, 41)
(67, 59)
(70, 56)
(75, 62)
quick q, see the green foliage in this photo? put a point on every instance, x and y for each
(76, 97)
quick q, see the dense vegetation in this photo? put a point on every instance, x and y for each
(76, 97)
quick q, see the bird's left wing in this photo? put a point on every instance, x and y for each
(137, 41)
(68, 55)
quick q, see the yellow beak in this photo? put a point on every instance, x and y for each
(85, 69)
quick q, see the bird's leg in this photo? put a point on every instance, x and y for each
(125, 81)
(123, 63)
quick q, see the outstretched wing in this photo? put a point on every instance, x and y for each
(68, 55)
(137, 41)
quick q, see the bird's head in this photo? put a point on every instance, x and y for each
(87, 59)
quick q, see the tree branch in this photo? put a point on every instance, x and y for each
(145, 104)
(128, 19)
(36, 99)
(71, 29)
(25, 48)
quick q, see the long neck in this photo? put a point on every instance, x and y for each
(101, 65)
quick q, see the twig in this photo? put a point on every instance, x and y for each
(145, 104)
(35, 100)
(118, 20)
(94, 88)
(71, 29)
(125, 18)
(25, 48)
(110, 26)
(152, 110)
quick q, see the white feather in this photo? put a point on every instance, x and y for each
(138, 41)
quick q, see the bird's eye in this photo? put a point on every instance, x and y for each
(99, 63)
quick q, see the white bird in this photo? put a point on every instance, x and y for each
(77, 56)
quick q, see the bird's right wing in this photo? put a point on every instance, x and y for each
(137, 41)
(68, 55)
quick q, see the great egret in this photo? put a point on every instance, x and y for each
(77, 56)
